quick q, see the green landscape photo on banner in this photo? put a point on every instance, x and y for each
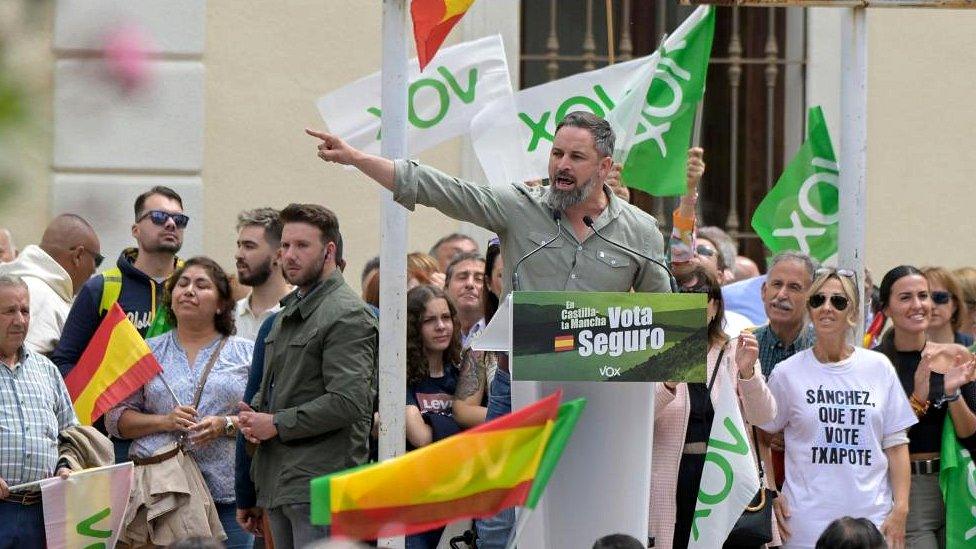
(607, 336)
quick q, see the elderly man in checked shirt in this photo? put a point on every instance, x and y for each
(34, 408)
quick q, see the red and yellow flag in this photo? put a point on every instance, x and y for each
(115, 364)
(473, 474)
(432, 22)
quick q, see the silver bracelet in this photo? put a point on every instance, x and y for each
(946, 399)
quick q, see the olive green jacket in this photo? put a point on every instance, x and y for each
(319, 380)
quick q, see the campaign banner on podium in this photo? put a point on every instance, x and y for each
(608, 336)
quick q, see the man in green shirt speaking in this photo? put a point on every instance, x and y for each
(525, 217)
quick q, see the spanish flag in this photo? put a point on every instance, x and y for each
(115, 364)
(473, 474)
(432, 22)
(563, 343)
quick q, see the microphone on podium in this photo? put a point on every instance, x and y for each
(556, 216)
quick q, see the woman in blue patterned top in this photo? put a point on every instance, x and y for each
(201, 308)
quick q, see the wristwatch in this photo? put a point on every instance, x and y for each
(229, 428)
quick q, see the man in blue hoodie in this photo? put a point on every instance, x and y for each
(136, 283)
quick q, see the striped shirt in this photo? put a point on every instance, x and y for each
(772, 351)
(34, 408)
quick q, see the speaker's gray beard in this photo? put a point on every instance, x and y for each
(563, 200)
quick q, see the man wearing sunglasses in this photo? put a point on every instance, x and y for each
(54, 272)
(135, 283)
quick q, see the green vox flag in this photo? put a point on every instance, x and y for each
(957, 477)
(658, 148)
(569, 413)
(800, 212)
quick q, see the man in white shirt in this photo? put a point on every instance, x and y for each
(258, 240)
(54, 271)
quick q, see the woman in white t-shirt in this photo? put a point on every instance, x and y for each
(844, 417)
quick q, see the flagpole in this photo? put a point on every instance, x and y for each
(513, 536)
(853, 146)
(170, 389)
(610, 48)
(393, 244)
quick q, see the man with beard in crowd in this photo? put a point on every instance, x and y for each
(258, 240)
(311, 414)
(527, 217)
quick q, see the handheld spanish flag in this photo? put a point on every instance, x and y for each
(477, 473)
(432, 22)
(115, 364)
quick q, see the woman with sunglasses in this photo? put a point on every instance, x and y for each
(967, 283)
(948, 308)
(683, 416)
(844, 418)
(906, 299)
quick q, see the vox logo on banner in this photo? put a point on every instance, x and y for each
(730, 479)
(801, 210)
(441, 100)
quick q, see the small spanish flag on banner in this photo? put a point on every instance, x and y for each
(115, 364)
(563, 343)
(432, 22)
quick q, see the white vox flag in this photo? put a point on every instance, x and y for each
(86, 509)
(730, 479)
(441, 101)
(521, 130)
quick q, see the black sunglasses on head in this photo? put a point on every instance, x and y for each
(941, 298)
(159, 217)
(838, 302)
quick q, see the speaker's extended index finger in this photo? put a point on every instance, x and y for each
(315, 133)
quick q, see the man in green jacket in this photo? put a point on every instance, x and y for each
(311, 415)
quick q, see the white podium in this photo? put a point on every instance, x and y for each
(603, 481)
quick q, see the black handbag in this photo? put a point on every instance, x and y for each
(755, 527)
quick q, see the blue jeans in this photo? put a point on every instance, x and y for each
(493, 531)
(499, 395)
(237, 537)
(21, 526)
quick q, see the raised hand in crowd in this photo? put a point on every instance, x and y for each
(4, 490)
(746, 355)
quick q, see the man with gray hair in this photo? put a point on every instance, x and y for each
(8, 250)
(54, 271)
(556, 217)
(34, 408)
(784, 296)
(448, 247)
(257, 260)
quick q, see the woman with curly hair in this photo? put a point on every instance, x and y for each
(433, 355)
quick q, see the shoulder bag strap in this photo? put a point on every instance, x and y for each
(718, 364)
(206, 372)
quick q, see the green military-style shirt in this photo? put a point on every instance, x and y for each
(320, 370)
(522, 219)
